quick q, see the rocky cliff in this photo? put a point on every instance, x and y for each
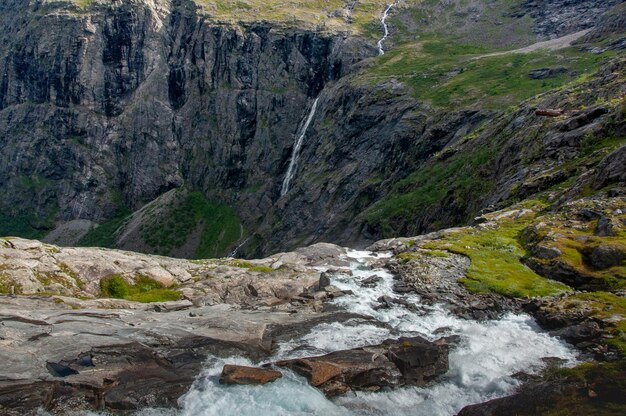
(106, 107)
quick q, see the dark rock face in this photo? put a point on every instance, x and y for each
(559, 17)
(238, 374)
(126, 101)
(405, 361)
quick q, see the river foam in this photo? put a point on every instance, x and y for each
(481, 364)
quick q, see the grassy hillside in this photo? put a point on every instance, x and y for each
(188, 224)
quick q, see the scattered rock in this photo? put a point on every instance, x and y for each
(324, 280)
(588, 214)
(401, 288)
(575, 334)
(172, 306)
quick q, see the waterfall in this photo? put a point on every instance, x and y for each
(236, 250)
(296, 149)
(381, 51)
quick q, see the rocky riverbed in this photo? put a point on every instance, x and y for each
(61, 354)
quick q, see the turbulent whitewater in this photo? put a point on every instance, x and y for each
(481, 365)
(293, 163)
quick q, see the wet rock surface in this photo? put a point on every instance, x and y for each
(124, 359)
(394, 363)
(238, 374)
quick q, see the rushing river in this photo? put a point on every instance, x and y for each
(481, 364)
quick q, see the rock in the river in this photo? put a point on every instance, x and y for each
(334, 292)
(240, 374)
(394, 363)
(370, 281)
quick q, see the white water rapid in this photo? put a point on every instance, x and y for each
(481, 364)
(383, 20)
(296, 149)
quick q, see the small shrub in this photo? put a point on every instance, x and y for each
(114, 287)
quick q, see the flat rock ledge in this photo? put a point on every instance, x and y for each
(241, 374)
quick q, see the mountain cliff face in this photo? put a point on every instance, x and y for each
(106, 107)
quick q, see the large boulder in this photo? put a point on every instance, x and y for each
(394, 363)
(605, 256)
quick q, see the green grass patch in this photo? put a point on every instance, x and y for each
(451, 74)
(144, 290)
(252, 267)
(495, 256)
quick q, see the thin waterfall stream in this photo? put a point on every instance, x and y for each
(293, 163)
(383, 20)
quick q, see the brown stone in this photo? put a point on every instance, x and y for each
(239, 374)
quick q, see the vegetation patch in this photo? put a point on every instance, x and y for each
(495, 255)
(605, 306)
(104, 235)
(219, 226)
(27, 225)
(144, 290)
(460, 176)
(324, 15)
(252, 267)
(453, 74)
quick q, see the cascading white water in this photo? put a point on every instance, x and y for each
(296, 149)
(383, 20)
(481, 365)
